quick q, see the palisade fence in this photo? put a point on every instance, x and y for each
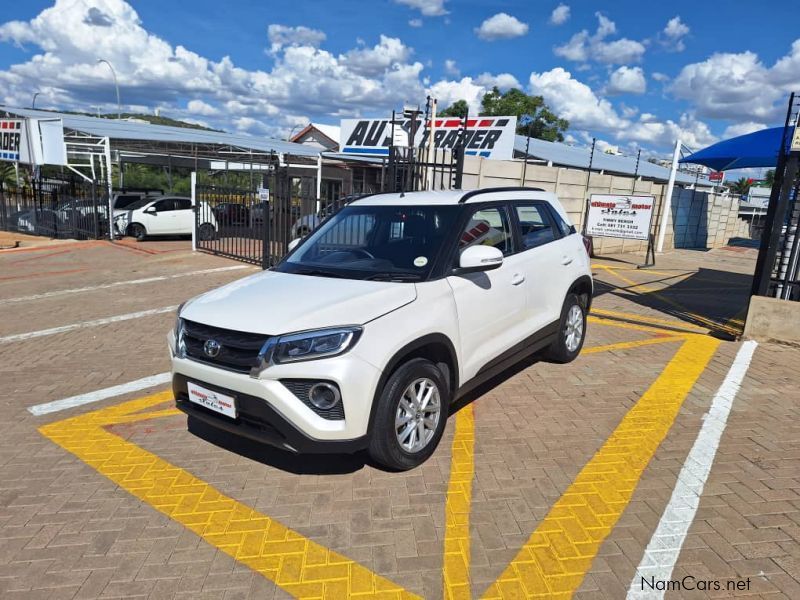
(777, 272)
(62, 207)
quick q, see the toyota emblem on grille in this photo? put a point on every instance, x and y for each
(212, 348)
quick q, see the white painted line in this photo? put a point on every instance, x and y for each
(84, 324)
(117, 390)
(665, 545)
(106, 286)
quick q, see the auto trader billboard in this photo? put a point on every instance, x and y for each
(489, 137)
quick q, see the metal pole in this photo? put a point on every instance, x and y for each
(116, 85)
(33, 102)
(586, 192)
(110, 188)
(193, 183)
(667, 202)
(527, 148)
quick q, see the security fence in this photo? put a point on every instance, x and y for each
(56, 207)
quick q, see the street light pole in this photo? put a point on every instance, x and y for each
(116, 85)
(33, 102)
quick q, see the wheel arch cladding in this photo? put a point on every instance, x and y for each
(436, 347)
(583, 286)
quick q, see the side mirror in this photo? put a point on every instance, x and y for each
(293, 244)
(479, 258)
(151, 210)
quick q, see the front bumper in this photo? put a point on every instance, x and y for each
(259, 421)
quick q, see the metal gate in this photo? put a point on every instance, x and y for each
(777, 272)
(255, 225)
(56, 207)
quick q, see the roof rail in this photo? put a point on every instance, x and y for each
(473, 193)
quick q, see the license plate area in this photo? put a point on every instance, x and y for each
(216, 401)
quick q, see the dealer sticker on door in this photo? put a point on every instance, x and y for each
(215, 401)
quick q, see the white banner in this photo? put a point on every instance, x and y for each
(620, 216)
(489, 137)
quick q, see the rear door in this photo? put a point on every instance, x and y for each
(491, 304)
(184, 216)
(541, 252)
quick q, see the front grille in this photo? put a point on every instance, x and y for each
(300, 388)
(238, 349)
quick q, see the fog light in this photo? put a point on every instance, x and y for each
(324, 395)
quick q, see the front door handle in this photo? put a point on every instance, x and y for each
(566, 260)
(517, 279)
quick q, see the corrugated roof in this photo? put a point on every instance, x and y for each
(131, 130)
(574, 156)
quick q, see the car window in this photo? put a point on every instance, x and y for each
(536, 227)
(183, 203)
(164, 205)
(561, 224)
(488, 227)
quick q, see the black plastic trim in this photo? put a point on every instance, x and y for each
(258, 421)
(473, 193)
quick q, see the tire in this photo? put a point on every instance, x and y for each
(385, 445)
(138, 231)
(573, 322)
(207, 232)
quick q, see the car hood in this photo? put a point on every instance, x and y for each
(273, 303)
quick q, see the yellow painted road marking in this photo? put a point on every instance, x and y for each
(298, 565)
(456, 564)
(556, 557)
(633, 326)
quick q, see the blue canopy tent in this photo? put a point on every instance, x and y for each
(757, 149)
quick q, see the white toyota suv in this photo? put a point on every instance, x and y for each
(394, 307)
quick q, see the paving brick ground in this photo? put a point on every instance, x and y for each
(66, 531)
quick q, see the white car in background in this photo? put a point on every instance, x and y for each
(170, 215)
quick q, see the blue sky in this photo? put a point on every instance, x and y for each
(633, 74)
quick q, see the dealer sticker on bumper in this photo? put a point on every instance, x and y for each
(215, 401)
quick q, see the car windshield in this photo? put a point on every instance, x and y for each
(389, 243)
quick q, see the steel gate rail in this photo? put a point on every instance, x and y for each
(56, 207)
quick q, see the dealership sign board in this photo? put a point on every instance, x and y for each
(33, 141)
(489, 137)
(612, 215)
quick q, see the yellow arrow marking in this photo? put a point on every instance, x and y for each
(298, 565)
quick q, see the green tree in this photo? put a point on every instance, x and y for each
(459, 108)
(769, 177)
(546, 125)
(741, 186)
(7, 176)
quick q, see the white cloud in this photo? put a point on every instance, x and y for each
(673, 34)
(503, 81)
(583, 47)
(560, 14)
(627, 80)
(451, 68)
(415, 22)
(283, 35)
(651, 130)
(574, 100)
(738, 86)
(660, 77)
(429, 8)
(501, 26)
(742, 129)
(447, 92)
(303, 80)
(198, 107)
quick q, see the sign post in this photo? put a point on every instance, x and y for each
(622, 216)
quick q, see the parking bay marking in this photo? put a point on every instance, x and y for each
(105, 286)
(292, 561)
(665, 545)
(18, 337)
(296, 564)
(98, 395)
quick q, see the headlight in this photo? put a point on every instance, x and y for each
(180, 345)
(311, 345)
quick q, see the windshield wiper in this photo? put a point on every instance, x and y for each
(317, 273)
(389, 276)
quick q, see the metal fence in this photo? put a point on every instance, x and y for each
(56, 207)
(777, 272)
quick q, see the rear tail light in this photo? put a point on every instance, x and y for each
(587, 243)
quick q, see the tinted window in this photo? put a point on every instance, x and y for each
(125, 201)
(561, 224)
(164, 205)
(185, 204)
(488, 227)
(535, 226)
